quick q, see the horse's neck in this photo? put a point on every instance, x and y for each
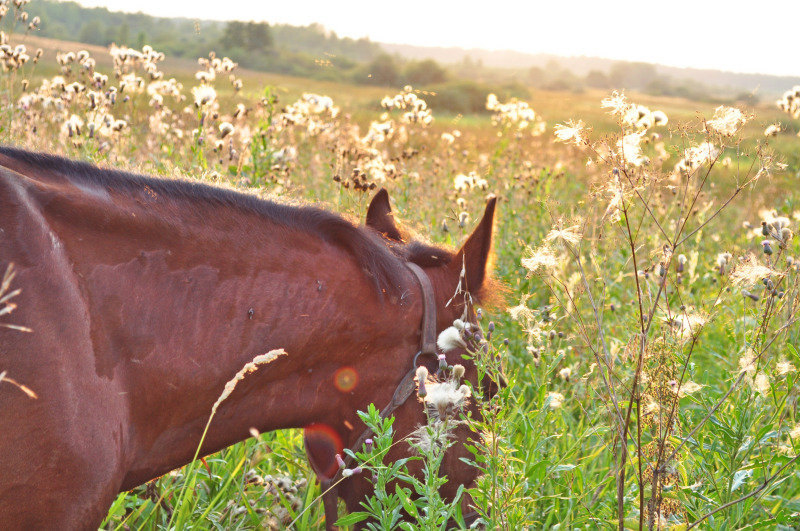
(175, 315)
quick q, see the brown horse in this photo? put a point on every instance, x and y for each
(145, 296)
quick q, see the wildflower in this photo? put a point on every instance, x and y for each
(747, 362)
(225, 128)
(521, 312)
(726, 121)
(630, 149)
(347, 472)
(689, 323)
(660, 118)
(750, 295)
(514, 112)
(428, 438)
(616, 102)
(449, 339)
(205, 76)
(722, 262)
(681, 263)
(761, 384)
(422, 376)
(571, 133)
(73, 125)
(204, 95)
(541, 259)
(701, 154)
(772, 130)
(565, 373)
(784, 367)
(119, 125)
(689, 388)
(445, 398)
(555, 399)
(569, 235)
(749, 271)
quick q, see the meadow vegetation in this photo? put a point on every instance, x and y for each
(649, 333)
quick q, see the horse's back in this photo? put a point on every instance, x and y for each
(69, 437)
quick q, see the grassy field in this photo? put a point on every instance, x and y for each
(631, 341)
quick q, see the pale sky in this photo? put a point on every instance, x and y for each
(760, 36)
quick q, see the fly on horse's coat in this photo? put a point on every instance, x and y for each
(145, 296)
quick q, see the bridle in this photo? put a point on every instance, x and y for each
(404, 390)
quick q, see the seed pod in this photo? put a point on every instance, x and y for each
(681, 263)
(751, 296)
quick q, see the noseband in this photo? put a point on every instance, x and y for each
(404, 390)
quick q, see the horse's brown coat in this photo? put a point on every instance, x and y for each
(146, 296)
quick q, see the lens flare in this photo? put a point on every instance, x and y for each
(345, 379)
(322, 444)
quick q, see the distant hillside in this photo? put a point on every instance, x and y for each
(459, 78)
(724, 83)
(310, 51)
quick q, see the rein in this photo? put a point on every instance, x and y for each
(330, 491)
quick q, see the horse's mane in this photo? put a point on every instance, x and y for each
(382, 262)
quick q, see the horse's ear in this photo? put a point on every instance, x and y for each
(380, 218)
(474, 255)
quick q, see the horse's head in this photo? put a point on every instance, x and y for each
(462, 280)
(458, 281)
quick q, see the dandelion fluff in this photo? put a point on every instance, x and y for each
(540, 260)
(749, 272)
(449, 339)
(556, 399)
(761, 384)
(784, 367)
(726, 121)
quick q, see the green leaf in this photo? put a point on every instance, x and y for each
(352, 518)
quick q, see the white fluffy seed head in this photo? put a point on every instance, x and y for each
(449, 339)
(444, 398)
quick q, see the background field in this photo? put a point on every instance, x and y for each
(556, 446)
